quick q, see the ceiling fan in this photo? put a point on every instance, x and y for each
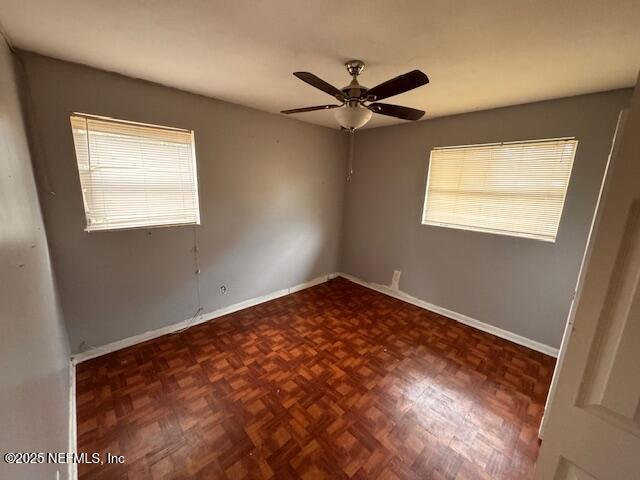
(358, 103)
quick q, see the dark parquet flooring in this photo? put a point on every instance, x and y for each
(336, 382)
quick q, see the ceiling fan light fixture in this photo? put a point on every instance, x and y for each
(352, 117)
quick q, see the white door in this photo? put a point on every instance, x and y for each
(592, 427)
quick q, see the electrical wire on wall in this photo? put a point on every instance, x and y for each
(84, 346)
(351, 141)
(196, 261)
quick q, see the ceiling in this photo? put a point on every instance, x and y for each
(478, 54)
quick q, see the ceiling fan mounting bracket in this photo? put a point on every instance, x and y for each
(354, 67)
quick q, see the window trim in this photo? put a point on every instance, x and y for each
(87, 228)
(506, 233)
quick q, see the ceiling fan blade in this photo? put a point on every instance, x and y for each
(397, 111)
(309, 109)
(399, 84)
(320, 84)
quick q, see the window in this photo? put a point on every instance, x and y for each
(135, 175)
(515, 188)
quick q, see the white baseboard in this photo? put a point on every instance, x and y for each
(73, 427)
(143, 337)
(472, 322)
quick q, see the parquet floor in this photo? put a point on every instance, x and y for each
(336, 382)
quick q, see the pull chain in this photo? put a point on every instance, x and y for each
(351, 139)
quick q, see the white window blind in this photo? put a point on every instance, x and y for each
(135, 175)
(515, 188)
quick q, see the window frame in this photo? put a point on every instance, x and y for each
(507, 233)
(194, 162)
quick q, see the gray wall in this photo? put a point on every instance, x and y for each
(271, 198)
(520, 285)
(34, 357)
(272, 201)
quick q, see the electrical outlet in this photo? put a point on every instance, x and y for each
(223, 289)
(395, 280)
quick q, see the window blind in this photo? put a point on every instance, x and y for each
(515, 188)
(135, 175)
